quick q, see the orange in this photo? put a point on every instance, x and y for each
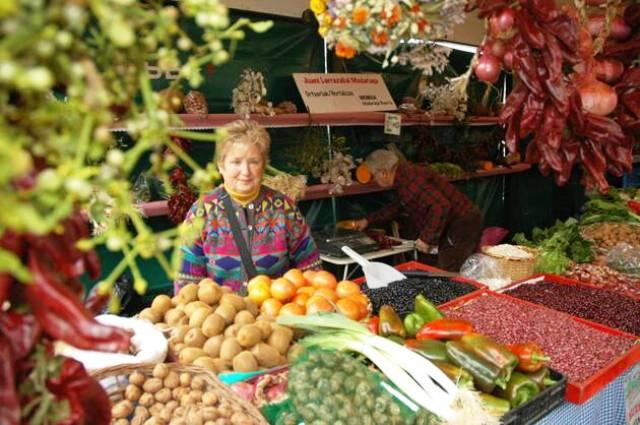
(327, 293)
(301, 299)
(292, 309)
(271, 307)
(261, 278)
(282, 289)
(351, 309)
(318, 304)
(324, 279)
(296, 277)
(259, 292)
(360, 298)
(308, 275)
(309, 290)
(346, 288)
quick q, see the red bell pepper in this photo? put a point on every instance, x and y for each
(634, 206)
(531, 358)
(445, 329)
(373, 324)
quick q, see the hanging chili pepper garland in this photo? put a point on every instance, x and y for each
(556, 98)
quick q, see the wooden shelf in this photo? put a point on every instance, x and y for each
(211, 121)
(321, 191)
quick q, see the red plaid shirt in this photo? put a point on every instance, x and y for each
(429, 199)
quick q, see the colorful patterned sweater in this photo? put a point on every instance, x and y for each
(279, 240)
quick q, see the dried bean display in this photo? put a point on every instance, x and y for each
(607, 235)
(577, 350)
(605, 277)
(401, 294)
(598, 305)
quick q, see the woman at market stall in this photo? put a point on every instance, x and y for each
(249, 229)
(440, 216)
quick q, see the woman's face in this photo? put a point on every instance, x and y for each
(385, 177)
(242, 168)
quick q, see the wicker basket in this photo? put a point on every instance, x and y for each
(115, 380)
(514, 268)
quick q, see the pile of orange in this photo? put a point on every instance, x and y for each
(307, 293)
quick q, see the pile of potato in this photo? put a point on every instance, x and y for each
(213, 328)
(169, 398)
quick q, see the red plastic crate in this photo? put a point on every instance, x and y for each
(577, 392)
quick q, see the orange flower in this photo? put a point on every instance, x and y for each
(360, 15)
(393, 17)
(379, 38)
(346, 52)
(422, 25)
(340, 22)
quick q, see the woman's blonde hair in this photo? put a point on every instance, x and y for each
(246, 132)
(381, 159)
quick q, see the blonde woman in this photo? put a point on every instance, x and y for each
(272, 231)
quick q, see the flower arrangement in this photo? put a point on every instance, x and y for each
(380, 26)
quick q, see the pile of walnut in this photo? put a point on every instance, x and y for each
(218, 330)
(169, 398)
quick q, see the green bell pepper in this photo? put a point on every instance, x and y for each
(458, 375)
(390, 322)
(494, 405)
(426, 309)
(432, 349)
(485, 374)
(542, 378)
(520, 389)
(492, 352)
(412, 324)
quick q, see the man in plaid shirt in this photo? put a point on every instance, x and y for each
(442, 217)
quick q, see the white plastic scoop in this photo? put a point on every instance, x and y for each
(378, 275)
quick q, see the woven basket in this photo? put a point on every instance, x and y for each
(115, 380)
(514, 268)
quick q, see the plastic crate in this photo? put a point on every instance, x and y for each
(538, 407)
(577, 392)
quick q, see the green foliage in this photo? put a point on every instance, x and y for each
(611, 207)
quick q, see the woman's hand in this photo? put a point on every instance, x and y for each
(422, 246)
(360, 224)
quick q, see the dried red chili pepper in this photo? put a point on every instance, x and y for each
(631, 101)
(531, 115)
(96, 302)
(511, 135)
(532, 153)
(22, 331)
(544, 10)
(525, 66)
(559, 95)
(602, 129)
(88, 401)
(9, 403)
(551, 156)
(566, 31)
(594, 167)
(530, 31)
(514, 102)
(552, 55)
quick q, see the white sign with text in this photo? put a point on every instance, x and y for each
(344, 92)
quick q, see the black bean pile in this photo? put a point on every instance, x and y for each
(601, 306)
(401, 294)
(577, 350)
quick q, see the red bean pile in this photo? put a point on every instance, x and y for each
(598, 305)
(605, 277)
(577, 350)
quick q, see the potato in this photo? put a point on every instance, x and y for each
(178, 347)
(156, 409)
(146, 399)
(225, 410)
(226, 290)
(172, 380)
(160, 371)
(185, 379)
(152, 421)
(196, 396)
(249, 335)
(136, 378)
(195, 338)
(198, 383)
(141, 411)
(229, 349)
(251, 307)
(209, 291)
(164, 415)
(198, 317)
(236, 301)
(132, 392)
(175, 300)
(188, 293)
(184, 320)
(122, 409)
(194, 417)
(173, 316)
(189, 354)
(210, 398)
(231, 331)
(150, 315)
(161, 304)
(240, 418)
(245, 362)
(139, 420)
(178, 333)
(213, 325)
(152, 385)
(164, 395)
(185, 399)
(209, 413)
(244, 318)
(206, 362)
(280, 339)
(171, 405)
(227, 312)
(178, 392)
(212, 346)
(121, 421)
(222, 365)
(193, 306)
(265, 328)
(266, 355)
